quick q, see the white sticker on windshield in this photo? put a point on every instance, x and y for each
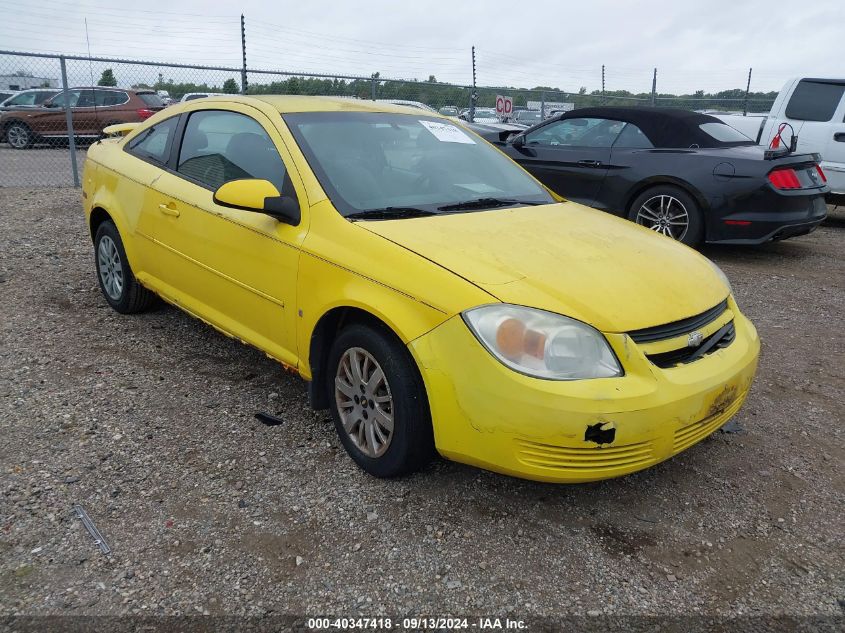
(447, 132)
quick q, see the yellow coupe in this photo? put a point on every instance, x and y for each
(435, 296)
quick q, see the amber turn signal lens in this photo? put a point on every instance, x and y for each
(509, 338)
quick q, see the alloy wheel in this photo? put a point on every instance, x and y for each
(110, 268)
(664, 214)
(17, 136)
(364, 402)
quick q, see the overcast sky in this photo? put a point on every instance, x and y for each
(694, 45)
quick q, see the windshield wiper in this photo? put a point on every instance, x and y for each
(485, 203)
(390, 213)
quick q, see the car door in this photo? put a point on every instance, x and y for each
(235, 269)
(570, 155)
(833, 155)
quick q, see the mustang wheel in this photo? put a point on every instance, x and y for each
(670, 211)
(119, 286)
(19, 136)
(378, 402)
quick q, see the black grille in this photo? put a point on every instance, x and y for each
(677, 328)
(689, 354)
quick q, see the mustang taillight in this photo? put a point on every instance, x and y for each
(145, 113)
(821, 173)
(784, 179)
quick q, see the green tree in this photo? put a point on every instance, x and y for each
(230, 87)
(107, 78)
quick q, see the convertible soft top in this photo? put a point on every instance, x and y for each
(664, 127)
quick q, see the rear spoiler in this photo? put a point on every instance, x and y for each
(119, 129)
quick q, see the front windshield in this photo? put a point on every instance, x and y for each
(527, 115)
(368, 161)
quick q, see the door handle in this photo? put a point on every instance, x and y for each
(839, 136)
(589, 163)
(167, 209)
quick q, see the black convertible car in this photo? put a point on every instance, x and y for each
(684, 174)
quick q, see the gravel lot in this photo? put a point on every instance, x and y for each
(147, 421)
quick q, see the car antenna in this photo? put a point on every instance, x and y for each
(91, 70)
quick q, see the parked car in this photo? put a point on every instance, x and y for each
(190, 96)
(28, 98)
(687, 175)
(435, 296)
(815, 110)
(92, 109)
(527, 118)
(410, 104)
(448, 111)
(482, 115)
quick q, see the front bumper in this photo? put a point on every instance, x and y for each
(487, 415)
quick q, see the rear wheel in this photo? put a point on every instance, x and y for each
(378, 402)
(670, 211)
(19, 136)
(117, 282)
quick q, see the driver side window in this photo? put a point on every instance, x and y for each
(581, 132)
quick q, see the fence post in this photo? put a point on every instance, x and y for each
(654, 88)
(603, 99)
(543, 105)
(473, 97)
(243, 55)
(747, 90)
(71, 140)
(373, 88)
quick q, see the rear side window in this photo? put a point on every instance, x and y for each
(151, 99)
(814, 100)
(110, 97)
(219, 146)
(632, 137)
(724, 133)
(154, 142)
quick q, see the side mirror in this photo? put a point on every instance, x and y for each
(260, 196)
(517, 141)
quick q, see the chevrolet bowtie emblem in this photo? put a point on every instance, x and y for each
(694, 339)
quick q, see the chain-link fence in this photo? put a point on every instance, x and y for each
(64, 102)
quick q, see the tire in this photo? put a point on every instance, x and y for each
(661, 208)
(400, 397)
(18, 135)
(117, 282)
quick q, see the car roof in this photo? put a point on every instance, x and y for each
(299, 103)
(664, 127)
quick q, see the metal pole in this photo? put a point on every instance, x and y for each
(747, 90)
(603, 100)
(654, 88)
(71, 140)
(373, 87)
(473, 98)
(243, 52)
(542, 105)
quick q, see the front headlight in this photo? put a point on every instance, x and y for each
(542, 344)
(722, 275)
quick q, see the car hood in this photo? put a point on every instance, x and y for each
(568, 259)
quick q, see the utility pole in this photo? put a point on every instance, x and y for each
(747, 90)
(243, 51)
(602, 85)
(473, 98)
(654, 88)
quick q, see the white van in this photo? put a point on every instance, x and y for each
(815, 108)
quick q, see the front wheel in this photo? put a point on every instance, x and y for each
(378, 402)
(670, 211)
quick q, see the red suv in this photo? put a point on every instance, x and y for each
(92, 109)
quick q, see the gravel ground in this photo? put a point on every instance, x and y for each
(147, 421)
